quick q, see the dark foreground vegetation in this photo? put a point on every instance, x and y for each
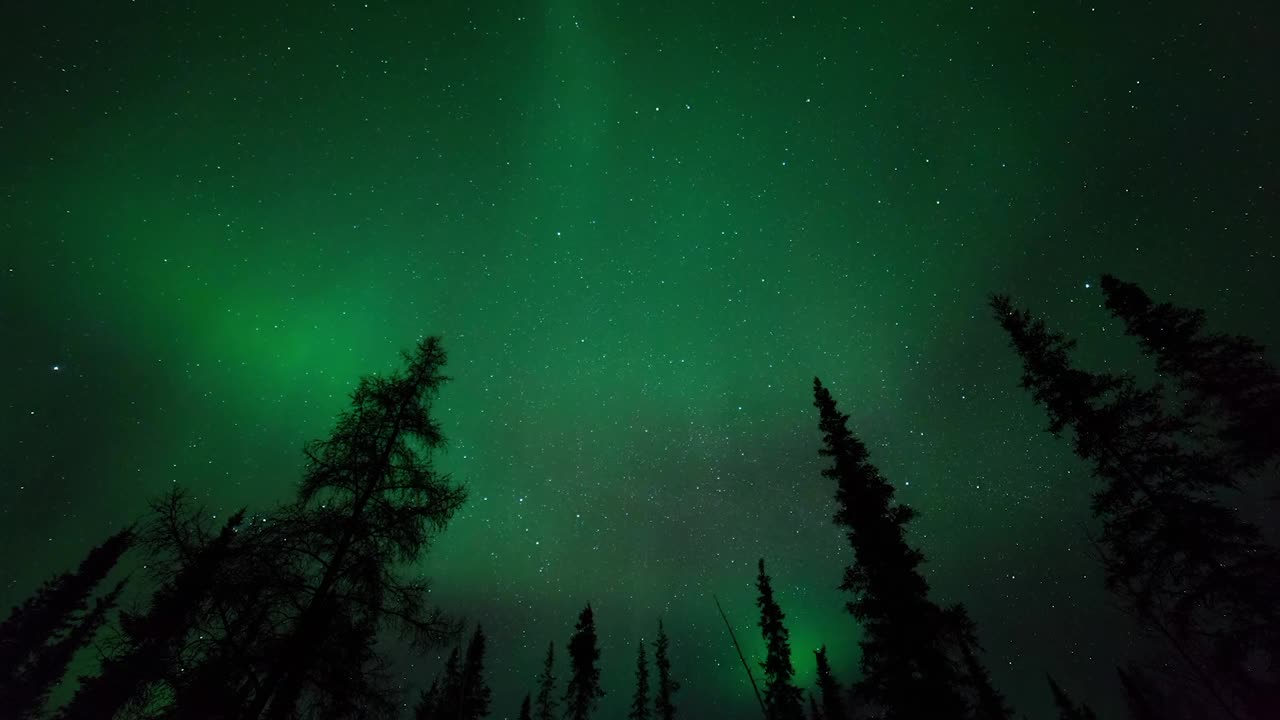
(276, 615)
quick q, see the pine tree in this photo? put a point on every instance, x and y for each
(912, 649)
(547, 686)
(248, 595)
(25, 694)
(474, 691)
(428, 701)
(987, 702)
(40, 637)
(782, 699)
(583, 692)
(372, 502)
(832, 694)
(1067, 709)
(640, 700)
(1225, 378)
(153, 642)
(444, 699)
(57, 605)
(525, 710)
(664, 707)
(1179, 559)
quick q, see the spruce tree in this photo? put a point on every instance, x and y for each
(640, 700)
(444, 698)
(547, 686)
(832, 694)
(782, 699)
(57, 605)
(525, 709)
(371, 502)
(152, 642)
(912, 649)
(474, 691)
(24, 695)
(987, 702)
(583, 693)
(664, 707)
(1226, 382)
(428, 700)
(1180, 559)
(1067, 708)
(40, 637)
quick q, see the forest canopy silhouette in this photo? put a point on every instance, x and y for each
(287, 612)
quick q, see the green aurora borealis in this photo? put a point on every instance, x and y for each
(641, 229)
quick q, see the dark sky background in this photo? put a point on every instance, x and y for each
(641, 228)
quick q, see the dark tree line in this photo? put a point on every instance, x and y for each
(1171, 459)
(278, 615)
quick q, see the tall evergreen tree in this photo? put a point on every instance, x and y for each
(1180, 560)
(832, 694)
(987, 702)
(442, 701)
(474, 691)
(57, 605)
(1225, 379)
(664, 707)
(640, 700)
(40, 637)
(525, 709)
(372, 502)
(428, 700)
(782, 699)
(583, 693)
(547, 685)
(24, 695)
(1067, 708)
(912, 649)
(153, 642)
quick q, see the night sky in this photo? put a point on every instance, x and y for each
(641, 229)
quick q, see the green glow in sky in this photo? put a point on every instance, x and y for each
(641, 229)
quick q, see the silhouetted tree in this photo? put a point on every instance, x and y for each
(474, 694)
(1067, 709)
(428, 699)
(664, 707)
(832, 694)
(249, 594)
(57, 605)
(782, 699)
(441, 701)
(1180, 560)
(583, 693)
(912, 650)
(152, 642)
(525, 710)
(547, 686)
(640, 700)
(987, 702)
(41, 636)
(1137, 698)
(815, 713)
(24, 695)
(1224, 378)
(371, 502)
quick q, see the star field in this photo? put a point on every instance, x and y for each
(641, 229)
